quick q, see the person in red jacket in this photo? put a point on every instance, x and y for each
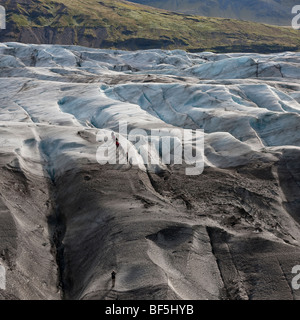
(115, 139)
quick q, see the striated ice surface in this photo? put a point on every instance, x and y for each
(57, 104)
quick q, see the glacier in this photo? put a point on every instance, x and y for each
(67, 221)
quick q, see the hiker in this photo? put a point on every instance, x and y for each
(115, 139)
(117, 143)
(113, 278)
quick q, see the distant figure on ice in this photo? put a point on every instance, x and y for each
(115, 139)
(117, 143)
(113, 278)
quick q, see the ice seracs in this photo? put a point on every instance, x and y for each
(67, 221)
(249, 101)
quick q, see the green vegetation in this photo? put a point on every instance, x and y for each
(132, 26)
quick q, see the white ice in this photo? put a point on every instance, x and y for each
(55, 98)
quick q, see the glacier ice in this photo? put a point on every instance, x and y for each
(252, 98)
(57, 105)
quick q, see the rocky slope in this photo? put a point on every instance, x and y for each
(125, 25)
(67, 221)
(276, 12)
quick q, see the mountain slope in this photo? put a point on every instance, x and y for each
(124, 25)
(277, 12)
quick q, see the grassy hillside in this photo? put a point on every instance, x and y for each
(125, 25)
